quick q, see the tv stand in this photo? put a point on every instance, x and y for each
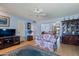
(9, 41)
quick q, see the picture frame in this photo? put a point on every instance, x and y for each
(4, 21)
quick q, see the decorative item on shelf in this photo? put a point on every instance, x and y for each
(28, 25)
(71, 17)
(73, 32)
(30, 31)
(4, 21)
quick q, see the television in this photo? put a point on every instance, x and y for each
(7, 32)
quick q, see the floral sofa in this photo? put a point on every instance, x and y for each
(46, 41)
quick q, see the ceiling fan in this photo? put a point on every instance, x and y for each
(39, 12)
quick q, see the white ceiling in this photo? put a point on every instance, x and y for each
(53, 10)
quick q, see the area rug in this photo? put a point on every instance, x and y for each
(31, 51)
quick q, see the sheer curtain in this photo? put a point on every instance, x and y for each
(45, 27)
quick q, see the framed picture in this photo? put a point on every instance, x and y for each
(4, 21)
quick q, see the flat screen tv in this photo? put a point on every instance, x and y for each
(7, 32)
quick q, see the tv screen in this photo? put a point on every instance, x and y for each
(7, 32)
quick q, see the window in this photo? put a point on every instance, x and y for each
(45, 27)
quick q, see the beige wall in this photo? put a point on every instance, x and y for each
(21, 29)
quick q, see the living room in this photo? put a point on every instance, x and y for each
(23, 24)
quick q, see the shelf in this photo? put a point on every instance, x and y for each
(70, 27)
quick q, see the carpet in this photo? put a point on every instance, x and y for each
(31, 51)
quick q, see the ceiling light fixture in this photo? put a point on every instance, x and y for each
(39, 12)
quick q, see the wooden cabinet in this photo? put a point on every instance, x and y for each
(70, 32)
(1, 43)
(71, 39)
(29, 38)
(9, 41)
